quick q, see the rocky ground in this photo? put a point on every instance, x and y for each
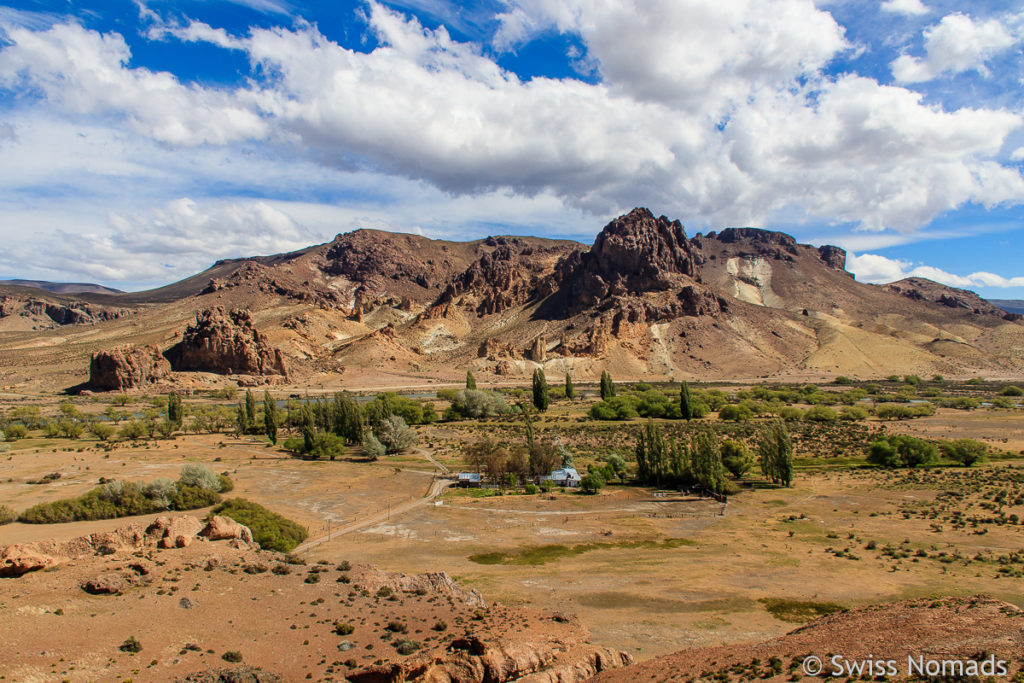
(118, 606)
(976, 628)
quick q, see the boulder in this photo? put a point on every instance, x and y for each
(224, 528)
(109, 583)
(175, 532)
(127, 367)
(19, 559)
(226, 343)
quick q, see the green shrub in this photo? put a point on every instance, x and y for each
(899, 450)
(616, 408)
(821, 414)
(1011, 391)
(965, 451)
(269, 529)
(130, 645)
(407, 647)
(735, 413)
(13, 432)
(121, 499)
(854, 413)
(7, 515)
(530, 489)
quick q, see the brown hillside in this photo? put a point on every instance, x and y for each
(645, 299)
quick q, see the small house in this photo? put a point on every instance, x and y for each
(566, 477)
(469, 480)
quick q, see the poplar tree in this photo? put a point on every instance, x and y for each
(570, 390)
(470, 380)
(250, 409)
(775, 449)
(685, 405)
(607, 386)
(175, 412)
(540, 390)
(270, 417)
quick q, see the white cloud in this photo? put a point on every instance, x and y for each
(717, 112)
(880, 270)
(85, 72)
(956, 44)
(912, 8)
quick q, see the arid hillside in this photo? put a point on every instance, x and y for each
(645, 300)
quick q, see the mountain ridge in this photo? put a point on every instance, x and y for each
(645, 299)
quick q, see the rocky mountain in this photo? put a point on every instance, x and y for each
(645, 299)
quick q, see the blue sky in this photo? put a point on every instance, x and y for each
(141, 141)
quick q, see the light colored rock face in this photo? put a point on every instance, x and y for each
(224, 529)
(226, 343)
(127, 367)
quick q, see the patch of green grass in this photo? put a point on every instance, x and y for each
(542, 554)
(799, 611)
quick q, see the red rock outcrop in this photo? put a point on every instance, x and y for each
(226, 343)
(127, 367)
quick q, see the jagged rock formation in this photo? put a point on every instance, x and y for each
(226, 343)
(127, 367)
(514, 273)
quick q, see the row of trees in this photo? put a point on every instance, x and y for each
(703, 460)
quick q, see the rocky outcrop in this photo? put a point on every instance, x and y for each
(21, 558)
(920, 289)
(472, 659)
(640, 268)
(44, 314)
(492, 349)
(117, 582)
(226, 343)
(164, 532)
(635, 253)
(539, 350)
(224, 529)
(431, 582)
(127, 367)
(513, 274)
(833, 257)
(237, 674)
(175, 532)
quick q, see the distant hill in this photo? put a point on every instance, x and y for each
(63, 287)
(1010, 305)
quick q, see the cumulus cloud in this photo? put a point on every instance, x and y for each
(86, 72)
(912, 8)
(880, 270)
(958, 43)
(717, 111)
